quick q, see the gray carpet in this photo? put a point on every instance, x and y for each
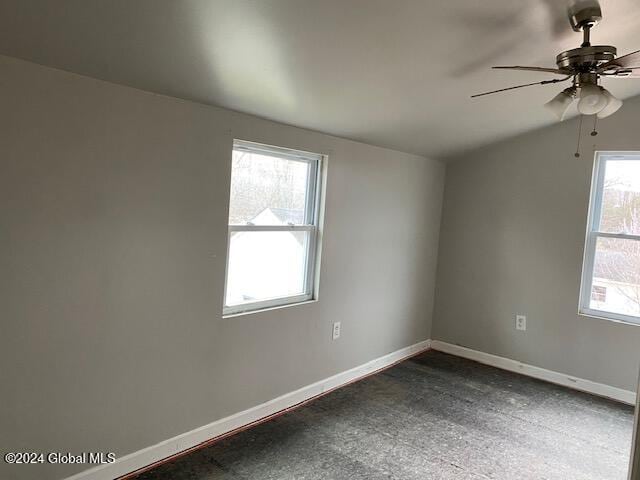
(432, 417)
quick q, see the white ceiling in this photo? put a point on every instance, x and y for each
(396, 73)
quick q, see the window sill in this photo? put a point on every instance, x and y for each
(600, 315)
(268, 309)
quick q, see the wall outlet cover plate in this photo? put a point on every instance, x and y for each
(336, 330)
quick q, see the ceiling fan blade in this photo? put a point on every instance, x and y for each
(631, 60)
(544, 82)
(623, 73)
(534, 69)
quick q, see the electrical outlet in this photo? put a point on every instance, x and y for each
(336, 330)
(521, 322)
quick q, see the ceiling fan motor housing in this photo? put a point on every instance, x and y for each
(585, 59)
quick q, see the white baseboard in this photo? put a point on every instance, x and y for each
(600, 389)
(147, 456)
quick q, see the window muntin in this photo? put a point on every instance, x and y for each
(273, 227)
(611, 270)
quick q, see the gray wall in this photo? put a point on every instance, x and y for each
(512, 237)
(113, 213)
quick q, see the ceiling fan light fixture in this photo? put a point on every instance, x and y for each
(592, 99)
(561, 102)
(613, 105)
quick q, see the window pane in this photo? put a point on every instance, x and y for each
(267, 190)
(266, 265)
(616, 276)
(621, 197)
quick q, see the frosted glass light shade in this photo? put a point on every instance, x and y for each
(560, 103)
(613, 105)
(592, 100)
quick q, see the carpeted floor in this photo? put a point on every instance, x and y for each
(432, 417)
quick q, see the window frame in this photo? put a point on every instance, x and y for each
(594, 233)
(312, 218)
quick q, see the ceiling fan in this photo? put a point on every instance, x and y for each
(585, 66)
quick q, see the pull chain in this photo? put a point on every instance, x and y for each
(577, 154)
(595, 124)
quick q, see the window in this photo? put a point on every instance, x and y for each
(273, 227)
(611, 270)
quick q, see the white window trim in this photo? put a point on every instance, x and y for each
(312, 225)
(593, 233)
